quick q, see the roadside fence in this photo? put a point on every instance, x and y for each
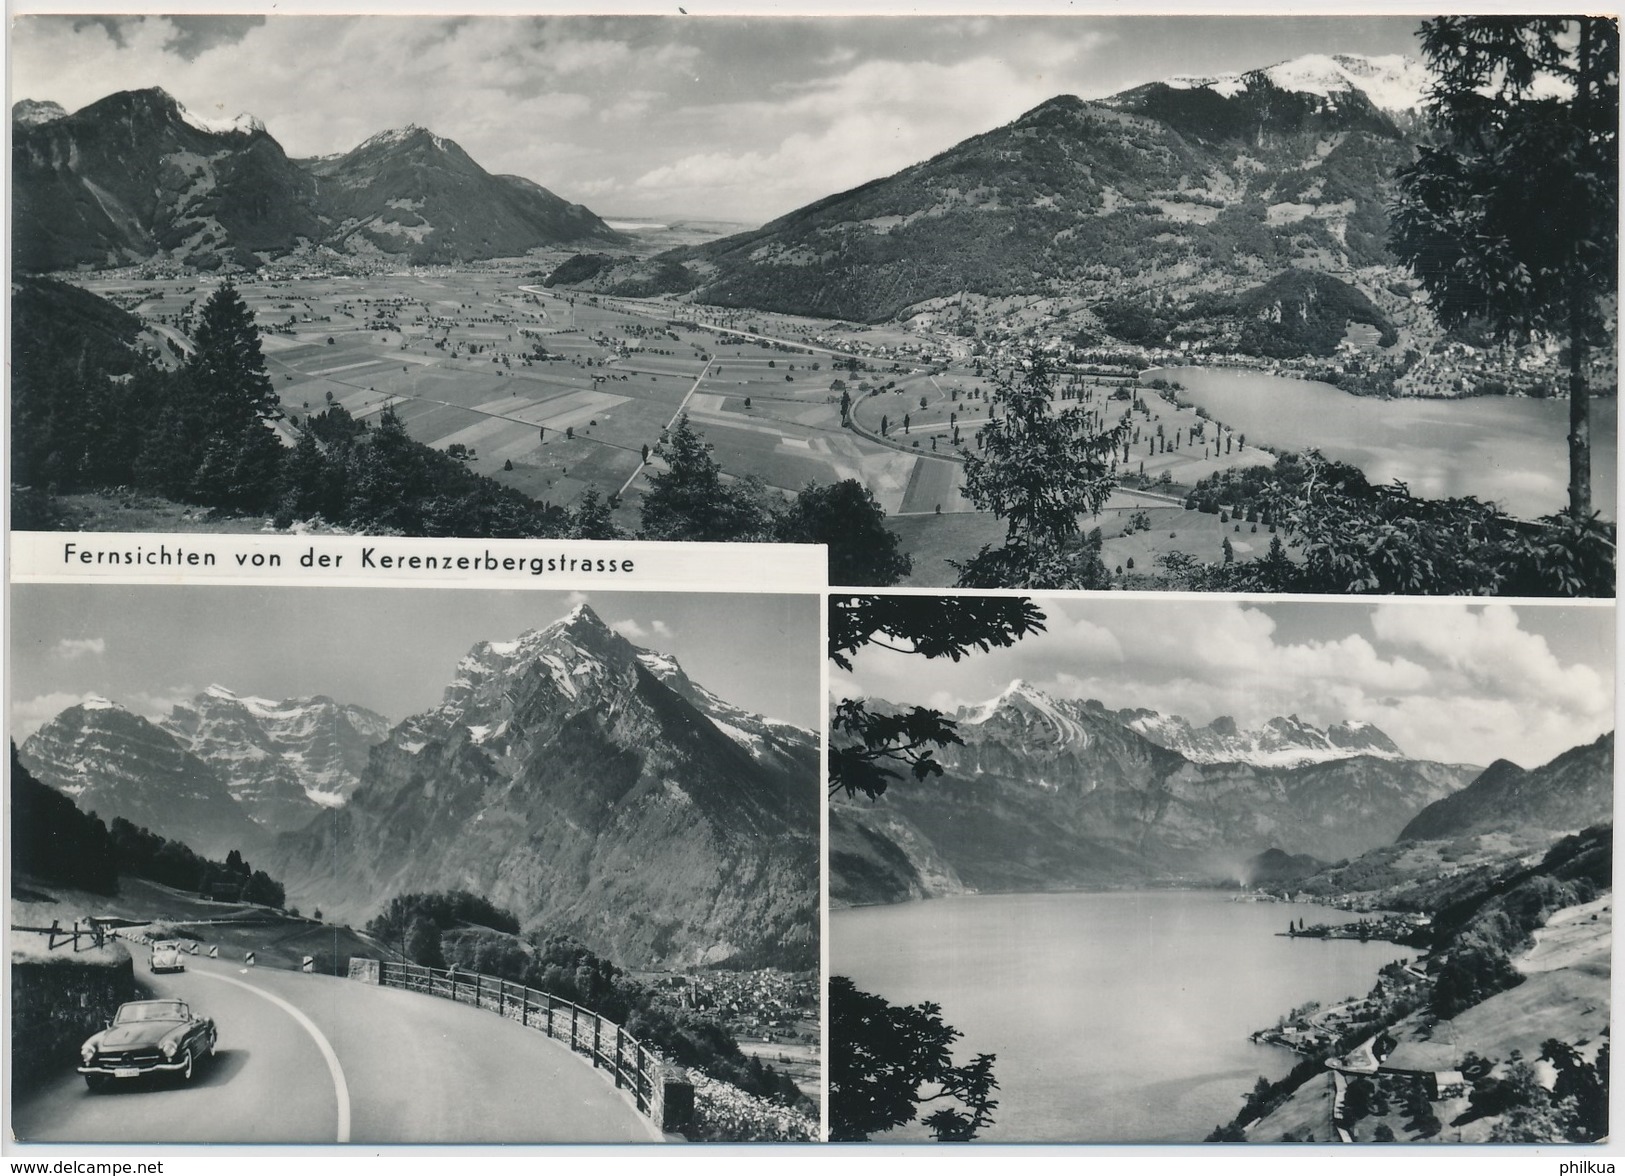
(661, 1090)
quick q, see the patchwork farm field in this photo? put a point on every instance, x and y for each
(557, 392)
(549, 393)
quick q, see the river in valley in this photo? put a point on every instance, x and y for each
(1509, 450)
(1116, 1017)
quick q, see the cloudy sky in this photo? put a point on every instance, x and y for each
(392, 650)
(1448, 681)
(735, 118)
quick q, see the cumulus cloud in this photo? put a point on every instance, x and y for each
(74, 648)
(727, 119)
(30, 714)
(634, 630)
(1454, 682)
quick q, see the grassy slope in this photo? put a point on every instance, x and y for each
(278, 940)
(1566, 996)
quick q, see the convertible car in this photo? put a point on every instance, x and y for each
(166, 957)
(147, 1037)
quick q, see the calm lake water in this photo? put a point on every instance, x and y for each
(1119, 1017)
(1509, 450)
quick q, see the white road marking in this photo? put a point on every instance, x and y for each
(341, 1089)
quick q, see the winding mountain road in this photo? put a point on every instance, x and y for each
(319, 1059)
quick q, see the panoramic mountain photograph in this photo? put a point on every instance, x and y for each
(1216, 303)
(591, 820)
(1148, 871)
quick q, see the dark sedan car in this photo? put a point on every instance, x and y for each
(147, 1037)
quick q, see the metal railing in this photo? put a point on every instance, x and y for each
(659, 1089)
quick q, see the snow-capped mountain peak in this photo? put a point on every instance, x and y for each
(282, 760)
(242, 124)
(1282, 742)
(1393, 83)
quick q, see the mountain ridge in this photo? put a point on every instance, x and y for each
(561, 777)
(136, 175)
(1065, 795)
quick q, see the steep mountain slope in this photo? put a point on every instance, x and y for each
(562, 778)
(136, 174)
(283, 761)
(411, 192)
(1048, 794)
(117, 764)
(1573, 791)
(1172, 188)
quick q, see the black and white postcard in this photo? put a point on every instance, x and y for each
(306, 865)
(1171, 872)
(1263, 303)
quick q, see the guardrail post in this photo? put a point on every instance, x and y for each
(617, 1057)
(574, 1015)
(548, 997)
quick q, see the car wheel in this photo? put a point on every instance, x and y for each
(186, 1074)
(96, 1082)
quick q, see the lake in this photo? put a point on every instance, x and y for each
(1116, 1017)
(1504, 449)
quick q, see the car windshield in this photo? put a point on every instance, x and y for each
(151, 1010)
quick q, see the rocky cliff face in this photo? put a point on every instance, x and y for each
(117, 764)
(1050, 793)
(284, 762)
(567, 780)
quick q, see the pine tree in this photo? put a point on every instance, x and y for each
(592, 519)
(690, 501)
(1513, 218)
(227, 388)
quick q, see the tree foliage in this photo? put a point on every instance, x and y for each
(93, 412)
(866, 743)
(144, 854)
(1355, 537)
(691, 500)
(1512, 217)
(1040, 469)
(886, 1061)
(845, 515)
(51, 839)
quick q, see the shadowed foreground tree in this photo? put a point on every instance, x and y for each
(863, 743)
(886, 1061)
(690, 500)
(1511, 218)
(862, 552)
(234, 403)
(1040, 469)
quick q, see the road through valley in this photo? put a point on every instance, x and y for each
(319, 1059)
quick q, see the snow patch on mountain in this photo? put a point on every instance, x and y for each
(1394, 83)
(242, 124)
